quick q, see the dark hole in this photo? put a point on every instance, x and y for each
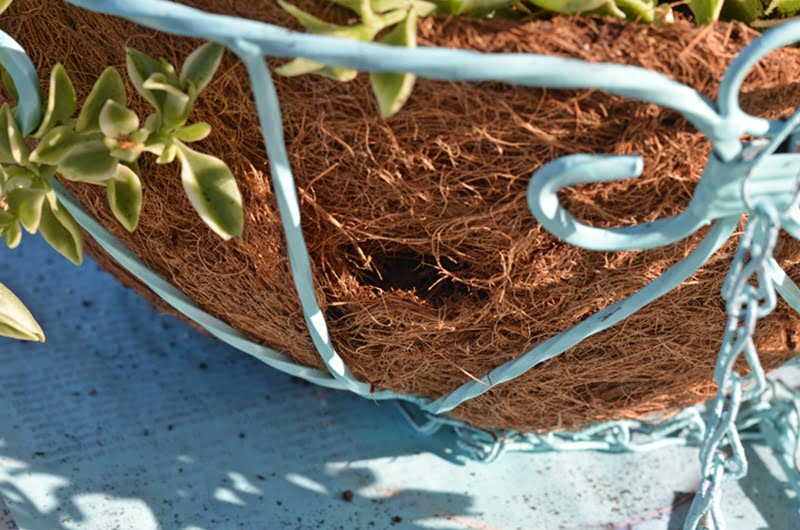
(406, 270)
(791, 343)
(785, 145)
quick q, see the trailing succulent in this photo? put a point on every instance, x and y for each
(102, 146)
(394, 22)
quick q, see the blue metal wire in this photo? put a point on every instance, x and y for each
(253, 40)
(740, 178)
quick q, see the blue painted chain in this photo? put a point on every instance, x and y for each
(626, 436)
(721, 453)
(730, 185)
(772, 419)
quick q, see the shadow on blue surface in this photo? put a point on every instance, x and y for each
(118, 389)
(231, 503)
(130, 419)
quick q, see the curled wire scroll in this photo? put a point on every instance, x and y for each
(724, 123)
(734, 183)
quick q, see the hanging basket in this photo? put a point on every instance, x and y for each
(400, 257)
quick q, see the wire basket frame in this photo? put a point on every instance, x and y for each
(753, 177)
(724, 123)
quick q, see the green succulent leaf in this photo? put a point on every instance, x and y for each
(302, 66)
(60, 230)
(392, 90)
(139, 136)
(9, 85)
(168, 153)
(477, 8)
(12, 234)
(174, 104)
(318, 26)
(90, 162)
(159, 82)
(595, 7)
(109, 86)
(16, 321)
(212, 190)
(13, 149)
(152, 123)
(140, 68)
(6, 218)
(201, 65)
(311, 23)
(56, 146)
(61, 101)
(646, 11)
(170, 72)
(117, 121)
(785, 8)
(15, 177)
(26, 204)
(705, 11)
(377, 6)
(193, 133)
(746, 10)
(124, 192)
(364, 32)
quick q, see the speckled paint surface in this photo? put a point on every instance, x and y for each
(130, 419)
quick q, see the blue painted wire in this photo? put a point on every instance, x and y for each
(252, 40)
(765, 182)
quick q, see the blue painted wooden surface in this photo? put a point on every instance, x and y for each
(158, 426)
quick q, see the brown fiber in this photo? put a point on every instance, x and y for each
(429, 266)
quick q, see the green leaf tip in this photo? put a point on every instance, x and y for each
(705, 11)
(392, 90)
(124, 192)
(16, 321)
(61, 101)
(201, 65)
(26, 204)
(60, 230)
(4, 4)
(109, 86)
(212, 190)
(13, 149)
(116, 120)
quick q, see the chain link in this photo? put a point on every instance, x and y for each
(626, 436)
(767, 411)
(749, 296)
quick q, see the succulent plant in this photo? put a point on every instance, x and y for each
(394, 22)
(102, 146)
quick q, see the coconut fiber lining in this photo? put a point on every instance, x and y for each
(428, 263)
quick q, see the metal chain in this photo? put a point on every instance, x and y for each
(761, 410)
(721, 453)
(774, 419)
(626, 436)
